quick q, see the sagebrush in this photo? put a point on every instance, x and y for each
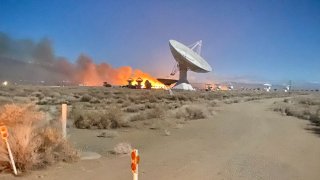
(34, 145)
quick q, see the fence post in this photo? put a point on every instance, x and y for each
(64, 120)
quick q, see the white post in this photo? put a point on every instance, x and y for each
(135, 175)
(11, 158)
(64, 120)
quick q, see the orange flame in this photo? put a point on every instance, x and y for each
(90, 74)
(224, 88)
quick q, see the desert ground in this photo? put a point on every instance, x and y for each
(190, 135)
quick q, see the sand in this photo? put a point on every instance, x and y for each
(241, 141)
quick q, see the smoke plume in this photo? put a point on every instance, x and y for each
(29, 62)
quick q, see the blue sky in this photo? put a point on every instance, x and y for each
(271, 40)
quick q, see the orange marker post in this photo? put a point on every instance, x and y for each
(4, 135)
(64, 120)
(135, 158)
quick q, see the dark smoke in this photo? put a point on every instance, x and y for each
(26, 61)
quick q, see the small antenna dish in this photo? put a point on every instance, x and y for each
(267, 87)
(187, 59)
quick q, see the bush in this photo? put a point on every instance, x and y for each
(94, 101)
(287, 101)
(149, 106)
(94, 119)
(86, 98)
(152, 99)
(132, 109)
(194, 113)
(138, 117)
(32, 146)
(157, 112)
(190, 113)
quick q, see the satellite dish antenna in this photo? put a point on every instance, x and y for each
(187, 59)
(267, 87)
(230, 87)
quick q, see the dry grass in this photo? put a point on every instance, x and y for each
(157, 112)
(108, 108)
(85, 98)
(307, 108)
(138, 117)
(98, 119)
(32, 146)
(190, 113)
(194, 113)
(135, 108)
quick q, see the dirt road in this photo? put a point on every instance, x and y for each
(243, 141)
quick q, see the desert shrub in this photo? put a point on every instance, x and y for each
(113, 118)
(174, 105)
(182, 97)
(231, 101)
(98, 119)
(297, 112)
(251, 99)
(149, 106)
(138, 117)
(194, 113)
(169, 97)
(236, 101)
(118, 92)
(94, 101)
(45, 101)
(157, 112)
(152, 99)
(279, 109)
(135, 108)
(120, 101)
(180, 114)
(54, 94)
(125, 104)
(32, 146)
(315, 118)
(76, 96)
(190, 113)
(287, 100)
(39, 95)
(309, 101)
(288, 111)
(211, 96)
(109, 101)
(85, 98)
(213, 103)
(132, 109)
(106, 93)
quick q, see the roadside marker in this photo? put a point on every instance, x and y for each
(4, 135)
(135, 158)
(64, 120)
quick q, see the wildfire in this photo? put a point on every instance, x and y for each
(223, 88)
(91, 74)
(144, 76)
